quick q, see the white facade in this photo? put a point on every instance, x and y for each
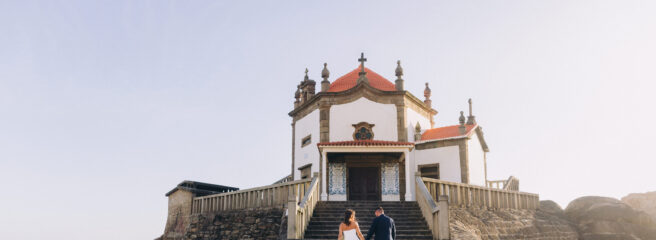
(412, 118)
(306, 126)
(447, 157)
(343, 116)
(476, 161)
(382, 121)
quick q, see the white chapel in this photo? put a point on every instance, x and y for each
(360, 142)
(367, 137)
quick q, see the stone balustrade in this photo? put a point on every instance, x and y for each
(512, 184)
(435, 213)
(466, 195)
(299, 214)
(275, 195)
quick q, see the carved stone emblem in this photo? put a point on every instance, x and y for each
(363, 131)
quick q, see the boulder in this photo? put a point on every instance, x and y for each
(604, 218)
(546, 223)
(552, 207)
(642, 201)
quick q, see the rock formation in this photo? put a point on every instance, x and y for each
(642, 201)
(603, 218)
(548, 222)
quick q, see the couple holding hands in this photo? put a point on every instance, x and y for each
(382, 227)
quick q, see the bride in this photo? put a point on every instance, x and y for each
(349, 228)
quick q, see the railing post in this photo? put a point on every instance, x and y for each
(443, 218)
(291, 216)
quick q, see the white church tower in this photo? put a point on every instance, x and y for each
(367, 137)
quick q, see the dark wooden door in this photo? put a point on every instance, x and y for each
(364, 183)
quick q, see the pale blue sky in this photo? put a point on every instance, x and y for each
(106, 106)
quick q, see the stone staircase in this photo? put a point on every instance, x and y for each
(410, 224)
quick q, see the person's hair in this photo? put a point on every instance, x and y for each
(380, 209)
(347, 216)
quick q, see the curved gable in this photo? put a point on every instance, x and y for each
(350, 80)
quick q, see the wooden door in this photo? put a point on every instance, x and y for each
(364, 183)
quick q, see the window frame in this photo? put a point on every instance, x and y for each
(435, 165)
(307, 168)
(308, 138)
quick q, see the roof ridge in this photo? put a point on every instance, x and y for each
(349, 80)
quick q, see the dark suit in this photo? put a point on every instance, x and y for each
(382, 228)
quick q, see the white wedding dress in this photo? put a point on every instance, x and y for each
(350, 235)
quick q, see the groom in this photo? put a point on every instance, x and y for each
(382, 227)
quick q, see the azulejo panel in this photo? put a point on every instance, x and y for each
(390, 178)
(336, 178)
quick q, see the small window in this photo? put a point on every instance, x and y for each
(305, 171)
(430, 171)
(306, 141)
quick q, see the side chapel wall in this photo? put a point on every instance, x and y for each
(303, 155)
(447, 157)
(476, 161)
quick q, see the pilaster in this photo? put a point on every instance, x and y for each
(402, 129)
(324, 123)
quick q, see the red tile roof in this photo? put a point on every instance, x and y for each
(349, 81)
(365, 143)
(445, 132)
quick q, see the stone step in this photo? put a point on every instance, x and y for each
(366, 214)
(398, 236)
(327, 216)
(366, 220)
(369, 210)
(383, 204)
(399, 225)
(364, 228)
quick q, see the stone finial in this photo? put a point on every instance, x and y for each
(461, 120)
(427, 94)
(306, 78)
(297, 96)
(399, 80)
(307, 87)
(325, 73)
(417, 132)
(325, 84)
(462, 128)
(471, 120)
(362, 73)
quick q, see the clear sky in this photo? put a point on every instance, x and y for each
(107, 105)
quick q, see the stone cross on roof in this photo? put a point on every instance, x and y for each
(362, 60)
(362, 73)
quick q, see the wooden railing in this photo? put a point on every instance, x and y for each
(511, 184)
(275, 195)
(465, 195)
(299, 214)
(435, 214)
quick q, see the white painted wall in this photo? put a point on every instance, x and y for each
(476, 161)
(412, 117)
(308, 154)
(447, 157)
(343, 116)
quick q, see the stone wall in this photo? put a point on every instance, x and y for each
(238, 224)
(178, 215)
(544, 223)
